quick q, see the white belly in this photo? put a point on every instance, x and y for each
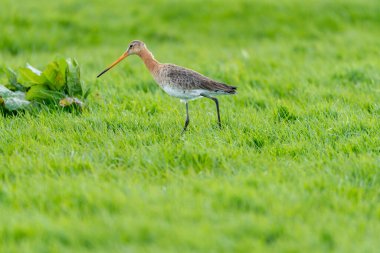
(182, 94)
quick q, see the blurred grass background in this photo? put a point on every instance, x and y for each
(295, 168)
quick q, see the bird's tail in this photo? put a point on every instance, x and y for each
(228, 89)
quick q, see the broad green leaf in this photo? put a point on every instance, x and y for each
(12, 101)
(14, 104)
(19, 94)
(28, 78)
(43, 93)
(5, 92)
(12, 77)
(9, 78)
(74, 85)
(55, 73)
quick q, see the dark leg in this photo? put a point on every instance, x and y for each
(187, 118)
(217, 106)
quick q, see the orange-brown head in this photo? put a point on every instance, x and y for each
(135, 47)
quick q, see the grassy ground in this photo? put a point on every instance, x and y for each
(295, 168)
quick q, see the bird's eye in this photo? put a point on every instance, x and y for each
(130, 46)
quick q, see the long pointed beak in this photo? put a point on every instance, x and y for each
(113, 64)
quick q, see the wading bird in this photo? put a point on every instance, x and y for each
(179, 82)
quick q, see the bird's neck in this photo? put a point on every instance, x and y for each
(148, 58)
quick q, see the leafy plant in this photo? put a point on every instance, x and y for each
(58, 84)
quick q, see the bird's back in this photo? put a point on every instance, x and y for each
(186, 79)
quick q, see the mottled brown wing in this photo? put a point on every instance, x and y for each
(189, 80)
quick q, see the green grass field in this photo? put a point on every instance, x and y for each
(295, 168)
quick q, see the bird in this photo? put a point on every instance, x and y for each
(177, 81)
